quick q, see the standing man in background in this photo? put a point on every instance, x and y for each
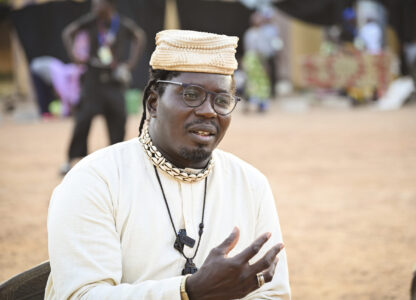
(111, 45)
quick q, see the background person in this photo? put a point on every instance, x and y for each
(371, 35)
(109, 62)
(52, 78)
(261, 43)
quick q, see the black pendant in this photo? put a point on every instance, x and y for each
(182, 239)
(190, 267)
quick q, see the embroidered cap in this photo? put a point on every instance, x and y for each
(194, 51)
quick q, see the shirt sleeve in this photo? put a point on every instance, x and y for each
(268, 221)
(84, 246)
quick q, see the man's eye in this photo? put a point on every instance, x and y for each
(223, 100)
(191, 94)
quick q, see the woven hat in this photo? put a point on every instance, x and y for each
(193, 51)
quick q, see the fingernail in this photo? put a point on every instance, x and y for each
(282, 246)
(268, 235)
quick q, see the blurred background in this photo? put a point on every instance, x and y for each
(328, 114)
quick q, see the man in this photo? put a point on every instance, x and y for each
(100, 40)
(151, 218)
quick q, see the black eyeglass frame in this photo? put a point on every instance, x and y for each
(185, 85)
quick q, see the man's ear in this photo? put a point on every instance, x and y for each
(152, 103)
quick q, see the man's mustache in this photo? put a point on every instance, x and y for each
(202, 121)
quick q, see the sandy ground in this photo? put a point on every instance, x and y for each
(344, 181)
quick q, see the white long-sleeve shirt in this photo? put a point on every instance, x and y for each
(110, 235)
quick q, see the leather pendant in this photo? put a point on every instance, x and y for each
(190, 267)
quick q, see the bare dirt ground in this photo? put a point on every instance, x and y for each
(344, 181)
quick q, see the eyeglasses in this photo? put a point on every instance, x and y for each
(194, 95)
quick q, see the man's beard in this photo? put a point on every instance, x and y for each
(194, 155)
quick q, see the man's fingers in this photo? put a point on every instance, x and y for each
(269, 272)
(267, 260)
(229, 243)
(253, 249)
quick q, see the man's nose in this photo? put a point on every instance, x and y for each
(206, 109)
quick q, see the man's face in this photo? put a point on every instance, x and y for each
(102, 8)
(187, 135)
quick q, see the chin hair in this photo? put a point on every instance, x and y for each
(194, 155)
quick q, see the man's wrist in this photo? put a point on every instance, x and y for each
(184, 294)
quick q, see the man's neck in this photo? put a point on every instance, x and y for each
(105, 18)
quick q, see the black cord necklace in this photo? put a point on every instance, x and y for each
(181, 238)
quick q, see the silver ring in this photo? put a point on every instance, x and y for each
(260, 279)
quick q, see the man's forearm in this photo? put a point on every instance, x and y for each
(68, 39)
(137, 47)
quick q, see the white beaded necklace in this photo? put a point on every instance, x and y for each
(159, 161)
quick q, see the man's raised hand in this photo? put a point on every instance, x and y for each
(223, 277)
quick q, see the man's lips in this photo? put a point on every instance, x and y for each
(200, 132)
(203, 129)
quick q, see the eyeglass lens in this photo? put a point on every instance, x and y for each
(194, 96)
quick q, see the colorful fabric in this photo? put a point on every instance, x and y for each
(258, 82)
(66, 81)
